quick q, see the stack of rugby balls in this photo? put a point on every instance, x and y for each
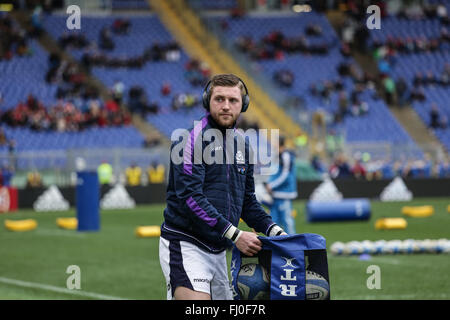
(407, 246)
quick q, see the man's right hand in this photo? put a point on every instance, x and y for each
(248, 243)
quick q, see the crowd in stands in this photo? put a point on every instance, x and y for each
(349, 103)
(138, 102)
(386, 55)
(425, 11)
(276, 45)
(150, 142)
(398, 90)
(185, 101)
(197, 72)
(13, 40)
(155, 53)
(65, 115)
(96, 52)
(356, 167)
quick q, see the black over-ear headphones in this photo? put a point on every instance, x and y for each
(207, 96)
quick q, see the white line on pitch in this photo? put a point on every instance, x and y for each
(47, 287)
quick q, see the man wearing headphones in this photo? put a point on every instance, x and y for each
(205, 202)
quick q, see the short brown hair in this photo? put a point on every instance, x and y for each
(226, 80)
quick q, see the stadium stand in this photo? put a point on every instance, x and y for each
(315, 69)
(26, 74)
(148, 76)
(139, 61)
(416, 50)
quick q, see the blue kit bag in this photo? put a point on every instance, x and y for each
(296, 265)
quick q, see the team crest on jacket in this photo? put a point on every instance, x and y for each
(240, 157)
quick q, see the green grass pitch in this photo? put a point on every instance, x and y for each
(114, 263)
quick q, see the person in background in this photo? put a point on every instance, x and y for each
(358, 170)
(105, 173)
(156, 173)
(34, 179)
(7, 173)
(133, 174)
(282, 186)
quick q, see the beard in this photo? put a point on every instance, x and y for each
(225, 121)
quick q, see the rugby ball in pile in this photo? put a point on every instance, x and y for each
(317, 288)
(253, 282)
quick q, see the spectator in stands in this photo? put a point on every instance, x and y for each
(444, 79)
(3, 139)
(184, 101)
(343, 105)
(389, 89)
(54, 63)
(150, 142)
(7, 173)
(245, 43)
(358, 170)
(112, 107)
(191, 100)
(73, 39)
(284, 77)
(340, 167)
(443, 169)
(435, 121)
(417, 93)
(117, 91)
(34, 179)
(22, 48)
(178, 101)
(105, 39)
(361, 37)
(441, 13)
(407, 170)
(156, 172)
(445, 35)
(430, 79)
(313, 29)
(334, 143)
(121, 26)
(138, 103)
(403, 93)
(166, 88)
(197, 72)
(173, 52)
(36, 21)
(105, 173)
(359, 108)
(318, 165)
(133, 175)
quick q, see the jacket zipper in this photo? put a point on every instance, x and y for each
(228, 179)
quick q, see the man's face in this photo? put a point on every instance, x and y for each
(225, 105)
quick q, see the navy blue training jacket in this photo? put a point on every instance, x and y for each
(204, 199)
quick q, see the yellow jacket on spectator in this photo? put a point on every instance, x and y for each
(156, 175)
(133, 175)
